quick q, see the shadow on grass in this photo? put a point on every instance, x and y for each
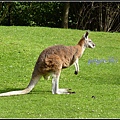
(39, 92)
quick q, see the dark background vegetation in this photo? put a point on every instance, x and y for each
(95, 16)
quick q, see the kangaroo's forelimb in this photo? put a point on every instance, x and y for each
(76, 67)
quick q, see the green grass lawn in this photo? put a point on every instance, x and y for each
(99, 75)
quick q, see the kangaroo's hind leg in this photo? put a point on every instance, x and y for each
(54, 64)
(55, 85)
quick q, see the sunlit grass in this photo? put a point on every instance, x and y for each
(97, 85)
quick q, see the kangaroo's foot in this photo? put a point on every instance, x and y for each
(64, 91)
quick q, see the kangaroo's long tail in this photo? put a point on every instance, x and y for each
(18, 92)
(24, 91)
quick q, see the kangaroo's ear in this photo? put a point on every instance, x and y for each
(86, 35)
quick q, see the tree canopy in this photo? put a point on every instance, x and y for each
(95, 16)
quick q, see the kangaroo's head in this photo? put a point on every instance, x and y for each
(88, 42)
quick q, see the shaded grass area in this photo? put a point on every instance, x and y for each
(97, 85)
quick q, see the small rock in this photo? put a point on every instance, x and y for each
(93, 97)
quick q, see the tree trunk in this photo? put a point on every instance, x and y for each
(5, 12)
(65, 15)
(100, 16)
(9, 16)
(106, 18)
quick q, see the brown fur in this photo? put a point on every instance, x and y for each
(57, 57)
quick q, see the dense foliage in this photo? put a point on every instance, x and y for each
(82, 15)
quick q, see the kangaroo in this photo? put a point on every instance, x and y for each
(50, 63)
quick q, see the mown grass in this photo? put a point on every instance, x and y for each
(97, 85)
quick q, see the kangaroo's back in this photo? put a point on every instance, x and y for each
(64, 54)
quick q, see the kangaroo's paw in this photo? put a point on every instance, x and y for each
(76, 72)
(64, 91)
